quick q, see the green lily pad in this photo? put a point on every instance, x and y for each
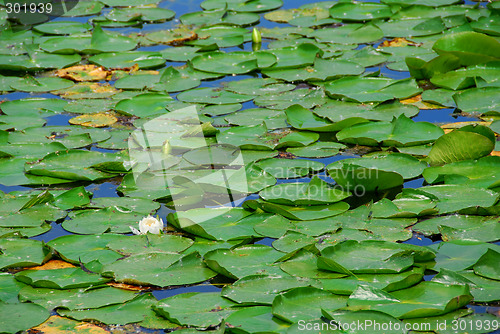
(23, 253)
(467, 143)
(371, 257)
(100, 41)
(86, 248)
(256, 319)
(257, 289)
(317, 150)
(307, 98)
(478, 100)
(22, 316)
(144, 105)
(258, 86)
(305, 303)
(481, 172)
(372, 89)
(273, 119)
(110, 220)
(140, 14)
(302, 263)
(484, 290)
(467, 77)
(42, 84)
(424, 299)
(137, 244)
(323, 69)
(87, 298)
(74, 165)
(360, 12)
(363, 317)
(232, 63)
(73, 198)
(62, 28)
(348, 34)
(212, 96)
(85, 8)
(412, 27)
(242, 6)
(160, 269)
(459, 255)
(9, 289)
(470, 47)
(33, 107)
(133, 311)
(33, 216)
(243, 261)
(385, 282)
(284, 168)
(402, 131)
(487, 265)
(219, 16)
(302, 212)
(216, 223)
(316, 192)
(195, 309)
(65, 278)
(403, 164)
(128, 59)
(173, 80)
(457, 197)
(461, 227)
(37, 60)
(221, 36)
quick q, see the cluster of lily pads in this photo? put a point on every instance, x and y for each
(294, 108)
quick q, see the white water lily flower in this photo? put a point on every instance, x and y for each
(149, 224)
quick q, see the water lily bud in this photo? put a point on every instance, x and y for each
(256, 36)
(167, 148)
(149, 225)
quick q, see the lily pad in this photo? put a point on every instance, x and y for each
(282, 168)
(21, 316)
(86, 248)
(195, 309)
(402, 131)
(65, 278)
(258, 289)
(360, 12)
(316, 192)
(457, 145)
(98, 120)
(23, 253)
(305, 303)
(160, 269)
(372, 89)
(424, 299)
(42, 84)
(212, 96)
(243, 261)
(91, 298)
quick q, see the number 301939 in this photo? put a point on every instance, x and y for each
(25, 8)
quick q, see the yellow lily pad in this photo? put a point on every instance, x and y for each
(399, 42)
(417, 101)
(83, 73)
(87, 90)
(98, 120)
(459, 125)
(58, 325)
(53, 264)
